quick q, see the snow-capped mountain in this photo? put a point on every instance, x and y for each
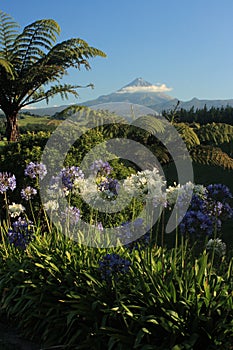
(138, 91)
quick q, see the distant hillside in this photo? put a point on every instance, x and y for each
(139, 92)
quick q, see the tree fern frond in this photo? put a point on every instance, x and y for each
(72, 52)
(62, 90)
(150, 123)
(188, 134)
(216, 133)
(209, 155)
(7, 67)
(8, 33)
(37, 35)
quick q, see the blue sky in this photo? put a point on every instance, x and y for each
(187, 45)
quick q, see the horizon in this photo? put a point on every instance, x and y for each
(187, 48)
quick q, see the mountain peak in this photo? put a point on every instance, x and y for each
(138, 82)
(140, 85)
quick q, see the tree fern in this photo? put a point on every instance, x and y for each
(216, 133)
(8, 34)
(30, 60)
(209, 155)
(189, 136)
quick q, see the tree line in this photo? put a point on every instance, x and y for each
(202, 115)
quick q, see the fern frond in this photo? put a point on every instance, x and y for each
(8, 33)
(72, 53)
(188, 135)
(7, 67)
(209, 155)
(216, 133)
(41, 94)
(150, 123)
(41, 34)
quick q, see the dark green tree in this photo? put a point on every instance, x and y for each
(32, 65)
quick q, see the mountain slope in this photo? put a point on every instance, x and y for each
(139, 92)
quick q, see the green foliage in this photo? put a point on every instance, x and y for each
(202, 115)
(169, 299)
(31, 60)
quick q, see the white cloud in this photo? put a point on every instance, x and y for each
(151, 88)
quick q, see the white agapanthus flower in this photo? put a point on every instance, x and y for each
(51, 205)
(15, 209)
(88, 190)
(200, 190)
(147, 184)
(180, 194)
(217, 246)
(79, 185)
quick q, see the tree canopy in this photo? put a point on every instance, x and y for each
(32, 65)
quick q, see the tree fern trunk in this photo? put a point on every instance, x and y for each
(12, 130)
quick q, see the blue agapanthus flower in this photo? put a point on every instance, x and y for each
(21, 233)
(112, 265)
(35, 169)
(109, 188)
(219, 192)
(28, 193)
(71, 215)
(7, 182)
(99, 167)
(69, 175)
(198, 223)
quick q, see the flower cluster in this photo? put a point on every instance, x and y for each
(145, 184)
(28, 193)
(112, 265)
(197, 223)
(70, 176)
(7, 181)
(15, 209)
(130, 231)
(109, 188)
(217, 201)
(51, 205)
(207, 209)
(100, 168)
(34, 170)
(71, 215)
(217, 246)
(21, 234)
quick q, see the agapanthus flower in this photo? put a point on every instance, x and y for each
(71, 174)
(35, 169)
(15, 209)
(112, 265)
(180, 195)
(51, 205)
(28, 193)
(109, 188)
(217, 201)
(199, 224)
(217, 246)
(71, 215)
(7, 182)
(21, 234)
(145, 184)
(101, 168)
(130, 231)
(219, 192)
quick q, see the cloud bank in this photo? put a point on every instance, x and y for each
(151, 88)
